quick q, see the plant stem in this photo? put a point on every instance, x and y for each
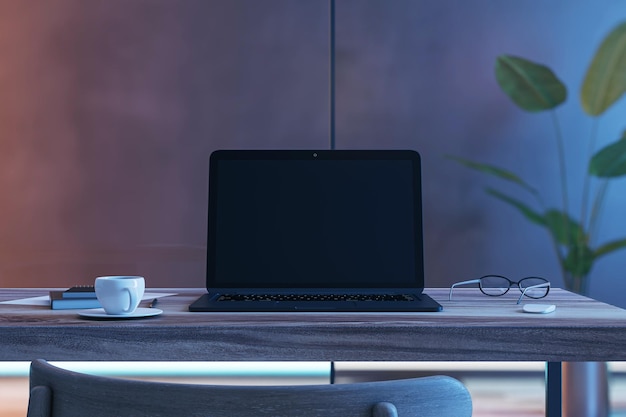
(597, 207)
(587, 182)
(602, 190)
(567, 280)
(562, 170)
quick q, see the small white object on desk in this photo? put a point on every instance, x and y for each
(539, 308)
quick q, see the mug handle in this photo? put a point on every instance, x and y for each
(133, 300)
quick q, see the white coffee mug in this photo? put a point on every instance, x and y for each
(119, 294)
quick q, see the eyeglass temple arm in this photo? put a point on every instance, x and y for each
(471, 281)
(542, 285)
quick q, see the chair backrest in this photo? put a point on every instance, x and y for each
(56, 392)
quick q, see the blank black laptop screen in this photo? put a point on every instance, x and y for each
(305, 219)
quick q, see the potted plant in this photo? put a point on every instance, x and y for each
(535, 88)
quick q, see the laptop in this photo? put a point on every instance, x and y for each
(315, 231)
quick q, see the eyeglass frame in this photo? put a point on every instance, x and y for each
(546, 285)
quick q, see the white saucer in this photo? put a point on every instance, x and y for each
(99, 313)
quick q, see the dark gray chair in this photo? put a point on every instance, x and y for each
(56, 392)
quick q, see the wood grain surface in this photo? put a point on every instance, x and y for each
(471, 327)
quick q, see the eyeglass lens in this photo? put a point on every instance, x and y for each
(497, 285)
(494, 285)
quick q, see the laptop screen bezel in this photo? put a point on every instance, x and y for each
(224, 155)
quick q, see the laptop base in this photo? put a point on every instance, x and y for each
(423, 303)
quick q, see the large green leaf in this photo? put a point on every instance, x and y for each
(495, 171)
(610, 161)
(565, 230)
(605, 81)
(609, 247)
(529, 213)
(531, 86)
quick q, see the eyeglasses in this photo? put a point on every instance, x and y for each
(496, 285)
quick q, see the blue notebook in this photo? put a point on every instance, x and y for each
(59, 302)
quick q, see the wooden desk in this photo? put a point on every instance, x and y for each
(472, 327)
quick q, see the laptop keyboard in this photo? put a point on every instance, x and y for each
(316, 297)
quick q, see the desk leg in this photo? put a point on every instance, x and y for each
(585, 389)
(553, 389)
